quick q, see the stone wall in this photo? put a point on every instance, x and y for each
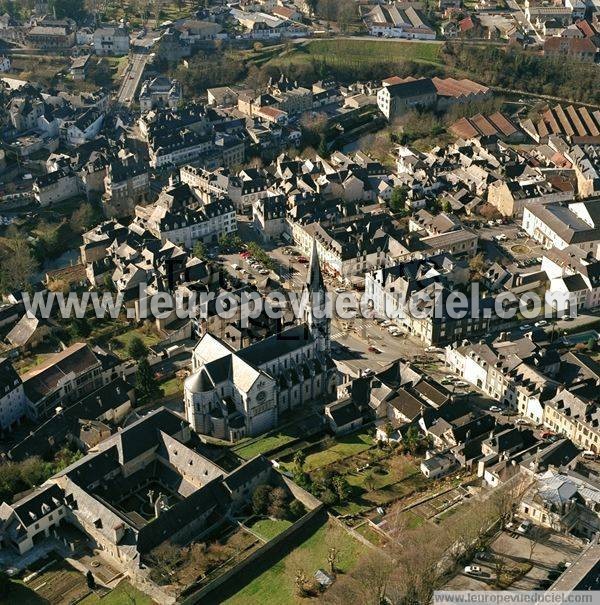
(260, 560)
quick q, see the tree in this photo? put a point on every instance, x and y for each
(73, 9)
(332, 557)
(369, 481)
(146, 386)
(412, 439)
(200, 250)
(108, 283)
(328, 497)
(137, 349)
(341, 487)
(297, 509)
(323, 149)
(278, 500)
(83, 218)
(398, 198)
(80, 328)
(299, 459)
(477, 267)
(260, 499)
(163, 562)
(17, 265)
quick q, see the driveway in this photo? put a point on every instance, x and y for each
(547, 552)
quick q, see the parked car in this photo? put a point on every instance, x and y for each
(525, 327)
(541, 323)
(473, 570)
(374, 350)
(494, 408)
(524, 527)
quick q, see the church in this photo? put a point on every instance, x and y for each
(233, 394)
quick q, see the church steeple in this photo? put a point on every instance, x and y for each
(314, 277)
(315, 314)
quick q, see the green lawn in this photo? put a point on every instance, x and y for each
(372, 535)
(269, 528)
(171, 387)
(276, 586)
(344, 447)
(346, 52)
(412, 520)
(254, 448)
(123, 594)
(149, 339)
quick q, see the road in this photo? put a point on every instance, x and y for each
(132, 79)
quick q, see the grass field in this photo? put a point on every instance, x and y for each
(123, 594)
(254, 448)
(125, 339)
(276, 586)
(372, 535)
(269, 528)
(172, 387)
(352, 52)
(344, 447)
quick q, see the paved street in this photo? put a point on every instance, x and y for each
(132, 79)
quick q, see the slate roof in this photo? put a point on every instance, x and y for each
(52, 433)
(43, 379)
(414, 88)
(244, 473)
(344, 413)
(9, 379)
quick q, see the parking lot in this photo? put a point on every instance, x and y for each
(543, 554)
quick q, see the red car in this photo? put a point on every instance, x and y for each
(245, 254)
(374, 350)
(303, 260)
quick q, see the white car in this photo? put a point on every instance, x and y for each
(473, 570)
(541, 323)
(524, 527)
(461, 383)
(494, 408)
(521, 421)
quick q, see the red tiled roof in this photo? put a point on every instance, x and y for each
(466, 24)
